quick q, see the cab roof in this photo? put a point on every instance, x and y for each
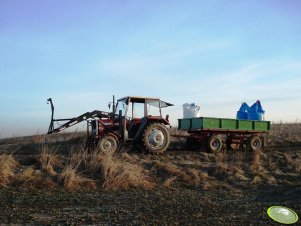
(150, 100)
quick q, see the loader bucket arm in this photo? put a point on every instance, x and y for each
(49, 100)
(72, 121)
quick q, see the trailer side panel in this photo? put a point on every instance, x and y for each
(205, 123)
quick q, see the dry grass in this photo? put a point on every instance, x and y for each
(93, 170)
(293, 161)
(72, 180)
(175, 174)
(8, 166)
(256, 180)
(221, 165)
(49, 160)
(231, 168)
(255, 164)
(168, 183)
(39, 138)
(30, 178)
(82, 170)
(93, 162)
(284, 134)
(117, 174)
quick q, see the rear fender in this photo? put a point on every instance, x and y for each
(157, 119)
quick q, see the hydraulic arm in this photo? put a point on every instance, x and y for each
(72, 121)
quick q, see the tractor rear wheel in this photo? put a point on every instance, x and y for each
(215, 144)
(107, 144)
(156, 138)
(254, 143)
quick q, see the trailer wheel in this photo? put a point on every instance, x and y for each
(254, 143)
(214, 144)
(156, 138)
(107, 144)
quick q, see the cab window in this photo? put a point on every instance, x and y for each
(153, 107)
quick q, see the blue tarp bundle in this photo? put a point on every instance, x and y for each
(255, 112)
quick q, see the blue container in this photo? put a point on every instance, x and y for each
(259, 107)
(256, 112)
(241, 115)
(255, 116)
(256, 107)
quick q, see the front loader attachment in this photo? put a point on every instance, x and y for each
(72, 121)
(49, 100)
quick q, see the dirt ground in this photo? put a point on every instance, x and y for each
(189, 188)
(152, 207)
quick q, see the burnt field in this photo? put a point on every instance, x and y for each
(58, 182)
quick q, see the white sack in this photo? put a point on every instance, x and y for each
(191, 111)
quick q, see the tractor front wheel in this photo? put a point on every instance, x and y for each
(107, 144)
(156, 138)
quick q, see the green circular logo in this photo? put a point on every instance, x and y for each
(282, 215)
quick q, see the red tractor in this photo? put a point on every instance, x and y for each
(134, 121)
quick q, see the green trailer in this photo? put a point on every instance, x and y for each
(217, 133)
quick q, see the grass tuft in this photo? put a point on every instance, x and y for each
(49, 160)
(72, 180)
(117, 174)
(30, 178)
(8, 165)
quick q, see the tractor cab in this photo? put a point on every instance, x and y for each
(139, 107)
(135, 112)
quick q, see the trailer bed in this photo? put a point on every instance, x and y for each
(223, 124)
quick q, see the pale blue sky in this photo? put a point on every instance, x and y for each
(216, 53)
